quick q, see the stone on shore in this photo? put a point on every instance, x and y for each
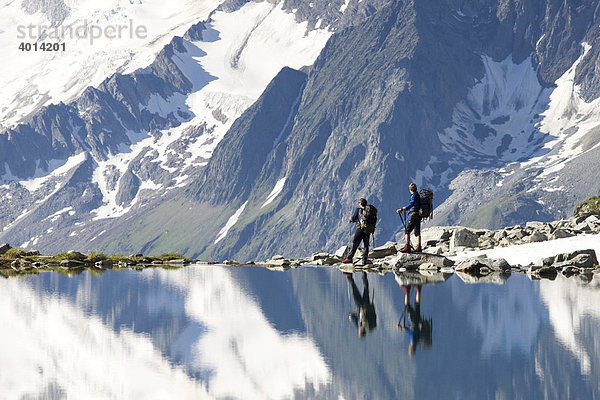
(4, 248)
(339, 253)
(414, 260)
(462, 238)
(580, 258)
(435, 235)
(387, 249)
(482, 265)
(537, 236)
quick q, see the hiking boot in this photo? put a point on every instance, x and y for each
(418, 249)
(406, 249)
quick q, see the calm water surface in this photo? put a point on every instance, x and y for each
(251, 333)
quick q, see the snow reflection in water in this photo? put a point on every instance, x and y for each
(213, 332)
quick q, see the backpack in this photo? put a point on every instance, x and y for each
(426, 196)
(368, 218)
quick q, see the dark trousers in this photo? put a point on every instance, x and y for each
(359, 236)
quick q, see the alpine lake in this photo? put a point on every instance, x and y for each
(213, 331)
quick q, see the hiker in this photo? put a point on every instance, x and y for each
(418, 328)
(414, 222)
(361, 234)
(364, 317)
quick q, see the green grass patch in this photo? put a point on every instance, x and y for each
(588, 207)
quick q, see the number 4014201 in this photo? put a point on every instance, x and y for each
(42, 46)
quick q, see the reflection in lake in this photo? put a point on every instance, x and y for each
(220, 332)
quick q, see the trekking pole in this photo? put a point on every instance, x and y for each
(402, 219)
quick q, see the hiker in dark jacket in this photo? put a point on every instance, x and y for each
(359, 235)
(414, 222)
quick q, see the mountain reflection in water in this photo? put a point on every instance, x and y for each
(252, 333)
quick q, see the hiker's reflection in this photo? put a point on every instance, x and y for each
(364, 318)
(418, 328)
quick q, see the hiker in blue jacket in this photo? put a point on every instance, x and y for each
(414, 222)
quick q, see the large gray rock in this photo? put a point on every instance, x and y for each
(414, 260)
(537, 237)
(562, 233)
(339, 253)
(463, 237)
(387, 249)
(580, 258)
(482, 264)
(436, 234)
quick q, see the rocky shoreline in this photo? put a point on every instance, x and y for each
(442, 245)
(14, 262)
(446, 251)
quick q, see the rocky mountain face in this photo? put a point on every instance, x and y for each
(491, 103)
(450, 97)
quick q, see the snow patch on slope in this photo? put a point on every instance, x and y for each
(490, 123)
(230, 222)
(56, 168)
(570, 122)
(239, 55)
(275, 192)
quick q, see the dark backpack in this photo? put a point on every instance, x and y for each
(368, 218)
(426, 196)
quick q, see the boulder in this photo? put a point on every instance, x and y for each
(482, 265)
(387, 249)
(580, 258)
(436, 234)
(583, 227)
(562, 233)
(436, 250)
(414, 260)
(75, 255)
(320, 256)
(463, 237)
(517, 233)
(537, 236)
(4, 248)
(499, 235)
(280, 262)
(339, 253)
(536, 225)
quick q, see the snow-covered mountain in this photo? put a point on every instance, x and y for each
(246, 129)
